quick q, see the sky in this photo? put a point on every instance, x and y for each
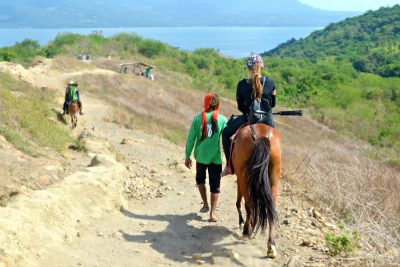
(350, 5)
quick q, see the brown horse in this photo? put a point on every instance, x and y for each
(73, 112)
(256, 159)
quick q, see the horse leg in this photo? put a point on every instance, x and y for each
(275, 173)
(238, 206)
(247, 226)
(272, 252)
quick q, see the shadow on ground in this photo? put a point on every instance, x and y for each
(60, 116)
(180, 240)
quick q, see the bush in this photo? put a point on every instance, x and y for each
(7, 55)
(78, 144)
(343, 244)
(150, 48)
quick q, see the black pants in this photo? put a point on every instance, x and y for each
(232, 127)
(214, 175)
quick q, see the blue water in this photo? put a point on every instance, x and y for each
(231, 41)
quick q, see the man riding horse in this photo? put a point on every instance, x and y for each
(72, 95)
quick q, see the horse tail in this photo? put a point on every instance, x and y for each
(261, 200)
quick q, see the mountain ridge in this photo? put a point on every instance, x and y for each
(369, 41)
(122, 13)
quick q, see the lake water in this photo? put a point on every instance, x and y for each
(231, 41)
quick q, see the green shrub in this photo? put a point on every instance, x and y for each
(7, 54)
(344, 244)
(150, 48)
(78, 144)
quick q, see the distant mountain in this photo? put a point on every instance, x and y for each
(370, 41)
(131, 13)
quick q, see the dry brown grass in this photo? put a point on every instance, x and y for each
(157, 107)
(70, 64)
(337, 176)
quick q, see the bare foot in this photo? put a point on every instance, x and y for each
(213, 218)
(204, 209)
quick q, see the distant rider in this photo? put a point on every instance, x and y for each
(72, 95)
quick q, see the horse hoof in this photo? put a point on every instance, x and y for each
(272, 252)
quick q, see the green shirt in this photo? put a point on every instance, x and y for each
(206, 151)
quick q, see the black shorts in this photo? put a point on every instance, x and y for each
(214, 175)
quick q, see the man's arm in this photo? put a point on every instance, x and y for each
(190, 140)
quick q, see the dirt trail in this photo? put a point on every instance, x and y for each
(160, 224)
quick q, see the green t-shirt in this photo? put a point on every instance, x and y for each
(206, 151)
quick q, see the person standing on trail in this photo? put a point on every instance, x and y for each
(72, 95)
(148, 74)
(204, 136)
(258, 88)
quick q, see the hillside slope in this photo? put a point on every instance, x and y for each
(370, 42)
(160, 224)
(122, 13)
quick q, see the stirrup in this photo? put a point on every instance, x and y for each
(227, 171)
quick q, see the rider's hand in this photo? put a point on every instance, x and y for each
(188, 163)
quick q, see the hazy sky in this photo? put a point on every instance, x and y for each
(350, 5)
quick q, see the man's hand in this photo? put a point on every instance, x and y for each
(188, 163)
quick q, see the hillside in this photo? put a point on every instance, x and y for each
(337, 95)
(129, 193)
(370, 42)
(122, 13)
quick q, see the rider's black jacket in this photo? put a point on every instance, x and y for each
(244, 89)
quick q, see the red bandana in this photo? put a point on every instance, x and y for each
(207, 101)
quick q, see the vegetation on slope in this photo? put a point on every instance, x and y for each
(371, 42)
(337, 94)
(25, 118)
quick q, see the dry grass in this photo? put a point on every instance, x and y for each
(157, 107)
(337, 176)
(70, 64)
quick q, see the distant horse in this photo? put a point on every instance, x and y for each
(73, 112)
(256, 160)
